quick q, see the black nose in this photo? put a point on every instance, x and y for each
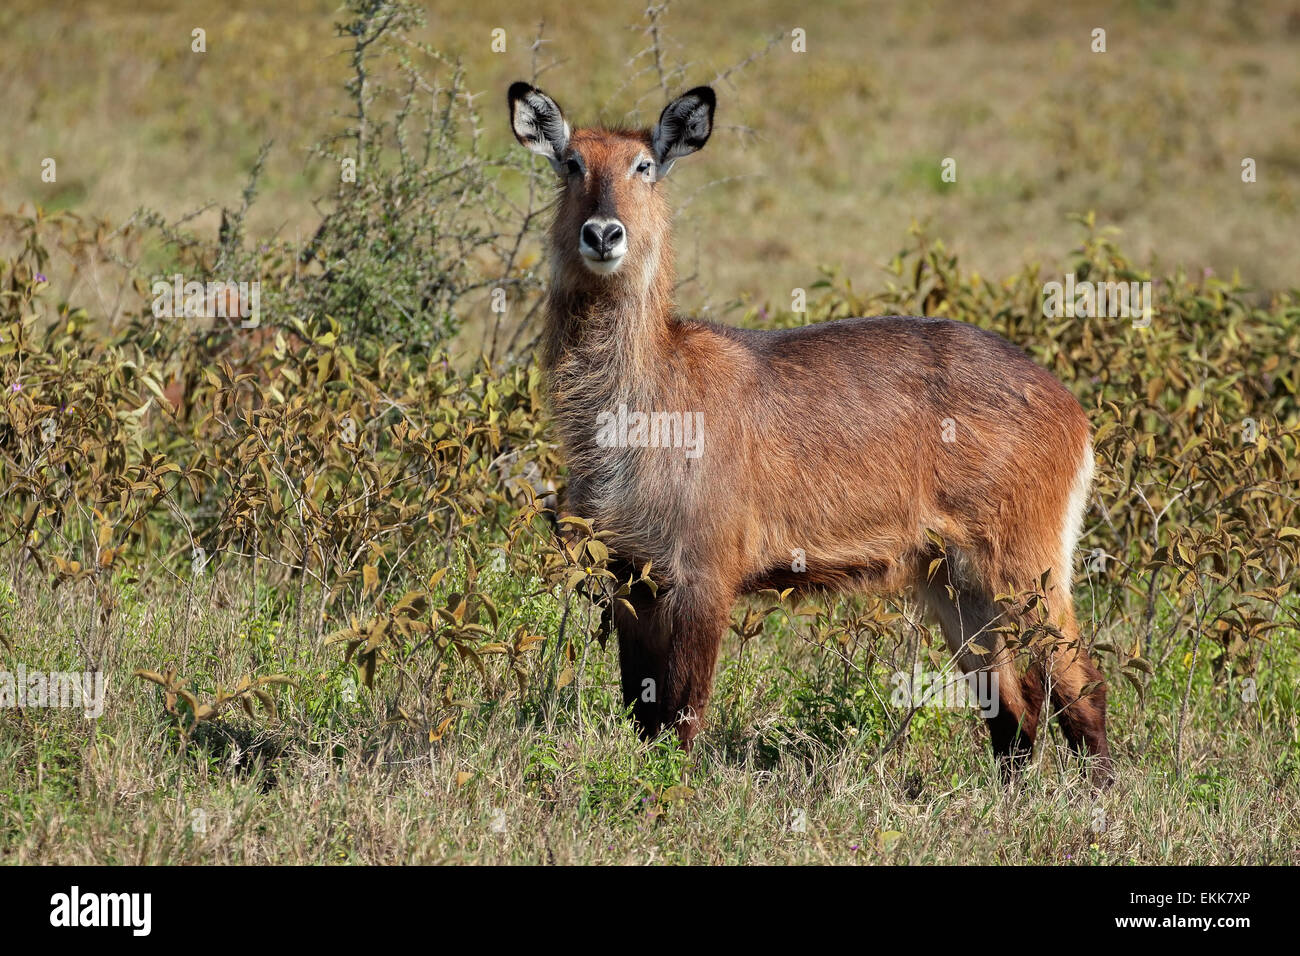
(602, 237)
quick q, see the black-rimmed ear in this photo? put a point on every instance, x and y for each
(538, 122)
(684, 126)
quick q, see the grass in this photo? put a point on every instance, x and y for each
(785, 773)
(824, 158)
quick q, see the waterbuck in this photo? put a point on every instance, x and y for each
(834, 456)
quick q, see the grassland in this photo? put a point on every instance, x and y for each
(238, 535)
(785, 775)
(825, 159)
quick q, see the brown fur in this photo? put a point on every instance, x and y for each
(826, 439)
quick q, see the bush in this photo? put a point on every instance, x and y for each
(338, 468)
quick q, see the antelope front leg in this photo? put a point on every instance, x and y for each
(667, 651)
(697, 619)
(643, 640)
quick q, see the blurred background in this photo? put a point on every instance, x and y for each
(824, 157)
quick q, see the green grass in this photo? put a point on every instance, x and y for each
(785, 773)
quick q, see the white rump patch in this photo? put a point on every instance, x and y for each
(1075, 509)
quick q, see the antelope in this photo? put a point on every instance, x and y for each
(833, 457)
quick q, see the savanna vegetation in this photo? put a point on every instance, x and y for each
(315, 555)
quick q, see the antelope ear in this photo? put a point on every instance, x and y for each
(538, 122)
(684, 127)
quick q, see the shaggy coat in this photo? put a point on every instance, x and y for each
(825, 455)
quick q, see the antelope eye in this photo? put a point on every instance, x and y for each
(574, 167)
(643, 168)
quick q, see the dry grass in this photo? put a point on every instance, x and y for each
(513, 786)
(846, 144)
